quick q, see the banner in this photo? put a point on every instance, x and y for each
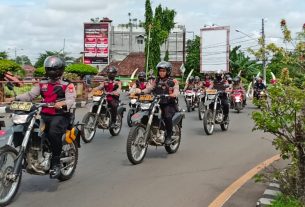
(214, 49)
(96, 47)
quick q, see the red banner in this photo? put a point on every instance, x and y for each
(96, 48)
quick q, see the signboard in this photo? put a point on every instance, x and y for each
(96, 47)
(214, 49)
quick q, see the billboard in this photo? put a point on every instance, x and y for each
(214, 49)
(96, 47)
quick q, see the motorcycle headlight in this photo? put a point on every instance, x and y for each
(211, 96)
(133, 101)
(145, 106)
(96, 98)
(19, 118)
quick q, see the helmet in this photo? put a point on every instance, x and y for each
(196, 79)
(218, 76)
(54, 67)
(165, 65)
(191, 79)
(260, 80)
(236, 80)
(141, 76)
(111, 72)
(227, 76)
(229, 79)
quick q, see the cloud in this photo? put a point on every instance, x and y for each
(39, 25)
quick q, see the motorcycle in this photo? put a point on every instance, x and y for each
(237, 97)
(134, 107)
(147, 130)
(214, 113)
(189, 96)
(259, 95)
(201, 97)
(99, 116)
(28, 148)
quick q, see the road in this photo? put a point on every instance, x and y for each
(201, 169)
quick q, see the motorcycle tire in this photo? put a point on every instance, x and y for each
(136, 148)
(201, 110)
(188, 106)
(14, 186)
(174, 145)
(208, 124)
(224, 126)
(116, 131)
(129, 115)
(88, 137)
(67, 174)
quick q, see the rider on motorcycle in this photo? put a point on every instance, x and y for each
(259, 86)
(140, 83)
(220, 85)
(197, 83)
(190, 85)
(237, 85)
(207, 82)
(52, 89)
(113, 88)
(168, 105)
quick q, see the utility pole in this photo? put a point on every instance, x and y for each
(147, 58)
(264, 49)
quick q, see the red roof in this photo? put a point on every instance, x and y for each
(137, 60)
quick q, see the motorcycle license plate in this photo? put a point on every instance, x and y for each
(21, 106)
(146, 98)
(211, 91)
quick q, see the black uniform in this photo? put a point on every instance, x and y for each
(220, 86)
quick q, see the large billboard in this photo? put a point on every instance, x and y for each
(214, 49)
(96, 47)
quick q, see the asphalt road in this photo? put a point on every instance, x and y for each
(201, 169)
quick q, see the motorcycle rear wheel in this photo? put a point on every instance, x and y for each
(68, 169)
(208, 122)
(174, 145)
(8, 187)
(136, 148)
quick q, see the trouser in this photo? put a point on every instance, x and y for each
(56, 126)
(168, 111)
(225, 106)
(114, 103)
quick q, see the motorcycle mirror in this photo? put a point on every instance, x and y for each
(10, 86)
(171, 83)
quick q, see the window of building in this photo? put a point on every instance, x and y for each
(140, 41)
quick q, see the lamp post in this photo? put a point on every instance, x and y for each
(245, 34)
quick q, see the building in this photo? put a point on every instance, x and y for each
(127, 39)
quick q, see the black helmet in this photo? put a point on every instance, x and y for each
(191, 79)
(141, 76)
(236, 80)
(218, 76)
(54, 67)
(111, 72)
(196, 79)
(165, 65)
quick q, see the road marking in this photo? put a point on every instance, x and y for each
(229, 191)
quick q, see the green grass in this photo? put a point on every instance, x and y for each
(286, 201)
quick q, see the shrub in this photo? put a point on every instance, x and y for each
(40, 72)
(8, 65)
(81, 69)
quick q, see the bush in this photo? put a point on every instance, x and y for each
(81, 69)
(71, 76)
(285, 201)
(8, 65)
(40, 72)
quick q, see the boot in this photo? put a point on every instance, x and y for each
(55, 168)
(168, 139)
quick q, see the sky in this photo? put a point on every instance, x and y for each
(30, 27)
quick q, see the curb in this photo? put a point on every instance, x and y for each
(271, 192)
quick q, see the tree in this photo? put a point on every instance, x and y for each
(43, 56)
(284, 115)
(23, 60)
(3, 55)
(158, 26)
(193, 56)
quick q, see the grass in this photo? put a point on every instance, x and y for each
(286, 201)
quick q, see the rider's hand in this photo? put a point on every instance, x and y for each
(9, 100)
(59, 105)
(172, 95)
(115, 94)
(138, 91)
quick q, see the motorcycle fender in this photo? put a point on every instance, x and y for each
(121, 110)
(177, 118)
(137, 117)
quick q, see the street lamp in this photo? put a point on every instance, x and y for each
(245, 34)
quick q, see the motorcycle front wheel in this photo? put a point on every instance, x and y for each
(8, 187)
(136, 147)
(208, 122)
(88, 129)
(129, 115)
(188, 105)
(201, 110)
